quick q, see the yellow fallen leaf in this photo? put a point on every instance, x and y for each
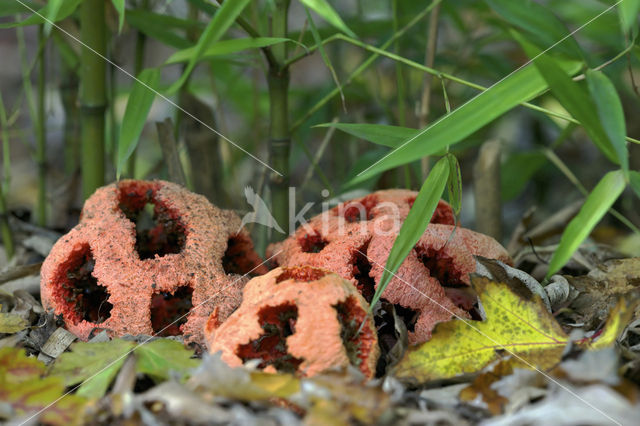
(517, 323)
(619, 318)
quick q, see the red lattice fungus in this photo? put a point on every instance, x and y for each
(299, 320)
(429, 287)
(148, 257)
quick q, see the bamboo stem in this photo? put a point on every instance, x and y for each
(93, 98)
(41, 135)
(279, 132)
(5, 230)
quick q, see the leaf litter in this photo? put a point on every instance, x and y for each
(587, 345)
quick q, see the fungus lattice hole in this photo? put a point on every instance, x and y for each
(350, 316)
(302, 273)
(360, 210)
(361, 268)
(312, 243)
(235, 259)
(408, 316)
(169, 311)
(88, 300)
(278, 323)
(440, 266)
(159, 230)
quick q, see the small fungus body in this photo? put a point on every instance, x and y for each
(299, 320)
(355, 238)
(148, 257)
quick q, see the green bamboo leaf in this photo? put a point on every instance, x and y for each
(610, 114)
(628, 11)
(160, 27)
(226, 47)
(454, 184)
(634, 180)
(119, 6)
(573, 97)
(324, 9)
(518, 87)
(135, 114)
(54, 11)
(380, 134)
(222, 20)
(596, 205)
(416, 222)
(539, 22)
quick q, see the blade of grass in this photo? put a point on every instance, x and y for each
(222, 20)
(324, 9)
(596, 205)
(416, 223)
(135, 115)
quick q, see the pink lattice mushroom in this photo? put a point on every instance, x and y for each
(355, 238)
(299, 320)
(148, 257)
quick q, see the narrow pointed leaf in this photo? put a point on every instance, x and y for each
(222, 20)
(12, 7)
(54, 11)
(610, 113)
(161, 27)
(596, 205)
(135, 115)
(628, 11)
(324, 9)
(572, 96)
(454, 184)
(539, 23)
(454, 127)
(119, 6)
(226, 47)
(416, 222)
(380, 134)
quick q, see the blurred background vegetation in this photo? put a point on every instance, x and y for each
(265, 73)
